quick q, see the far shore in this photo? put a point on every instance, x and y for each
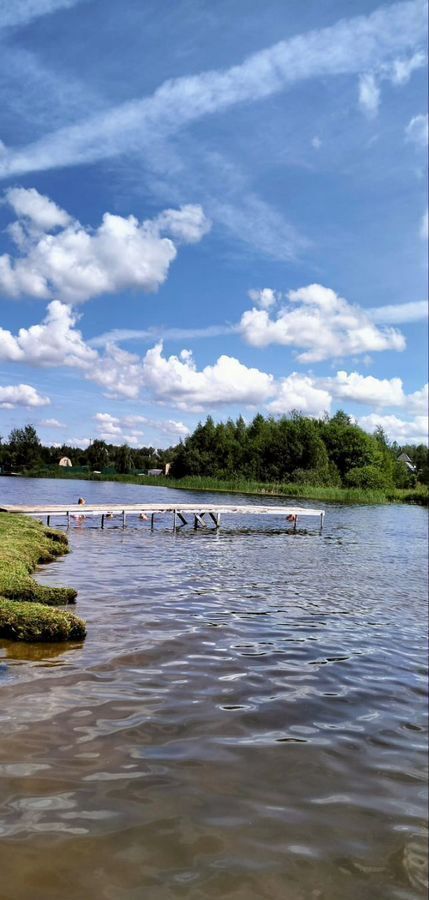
(418, 495)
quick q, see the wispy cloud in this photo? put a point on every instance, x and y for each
(355, 45)
(148, 335)
(399, 313)
(417, 130)
(21, 12)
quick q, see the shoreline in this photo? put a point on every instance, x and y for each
(30, 611)
(347, 496)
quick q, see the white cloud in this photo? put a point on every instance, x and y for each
(82, 443)
(78, 263)
(177, 381)
(303, 393)
(149, 335)
(21, 12)
(316, 142)
(369, 94)
(52, 423)
(265, 297)
(27, 203)
(399, 313)
(55, 342)
(417, 130)
(402, 69)
(21, 395)
(323, 323)
(351, 46)
(424, 227)
(116, 429)
(404, 431)
(367, 389)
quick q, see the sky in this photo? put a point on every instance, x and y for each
(211, 208)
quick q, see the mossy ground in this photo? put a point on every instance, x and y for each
(25, 612)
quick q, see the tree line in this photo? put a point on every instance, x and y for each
(331, 451)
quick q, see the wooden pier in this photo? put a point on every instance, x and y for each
(196, 511)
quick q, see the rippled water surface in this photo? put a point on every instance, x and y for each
(246, 718)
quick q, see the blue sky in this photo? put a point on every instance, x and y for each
(211, 208)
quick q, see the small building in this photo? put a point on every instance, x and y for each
(405, 459)
(155, 472)
(65, 461)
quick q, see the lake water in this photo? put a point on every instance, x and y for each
(246, 718)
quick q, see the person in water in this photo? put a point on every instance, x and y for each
(81, 501)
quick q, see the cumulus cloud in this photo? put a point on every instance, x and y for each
(52, 423)
(303, 393)
(323, 323)
(265, 297)
(78, 263)
(367, 389)
(55, 342)
(417, 130)
(402, 430)
(122, 429)
(176, 380)
(21, 395)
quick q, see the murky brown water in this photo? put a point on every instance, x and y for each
(246, 719)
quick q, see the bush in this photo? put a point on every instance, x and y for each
(367, 478)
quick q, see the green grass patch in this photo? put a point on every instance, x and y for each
(24, 544)
(36, 622)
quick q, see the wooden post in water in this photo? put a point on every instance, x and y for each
(48, 520)
(102, 520)
(321, 521)
(174, 519)
(123, 518)
(152, 520)
(68, 519)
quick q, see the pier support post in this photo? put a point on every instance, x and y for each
(68, 519)
(152, 521)
(321, 521)
(102, 520)
(48, 520)
(174, 519)
(123, 518)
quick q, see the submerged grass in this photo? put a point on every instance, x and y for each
(25, 612)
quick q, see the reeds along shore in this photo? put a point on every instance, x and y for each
(28, 610)
(419, 495)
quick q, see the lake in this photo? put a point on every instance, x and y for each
(246, 719)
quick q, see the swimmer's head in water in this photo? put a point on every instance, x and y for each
(81, 501)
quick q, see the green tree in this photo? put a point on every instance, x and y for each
(25, 447)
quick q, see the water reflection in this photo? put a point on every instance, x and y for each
(246, 719)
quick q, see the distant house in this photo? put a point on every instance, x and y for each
(405, 459)
(155, 472)
(65, 461)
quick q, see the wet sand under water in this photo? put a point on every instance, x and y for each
(246, 719)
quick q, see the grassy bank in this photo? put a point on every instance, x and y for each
(419, 495)
(26, 607)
